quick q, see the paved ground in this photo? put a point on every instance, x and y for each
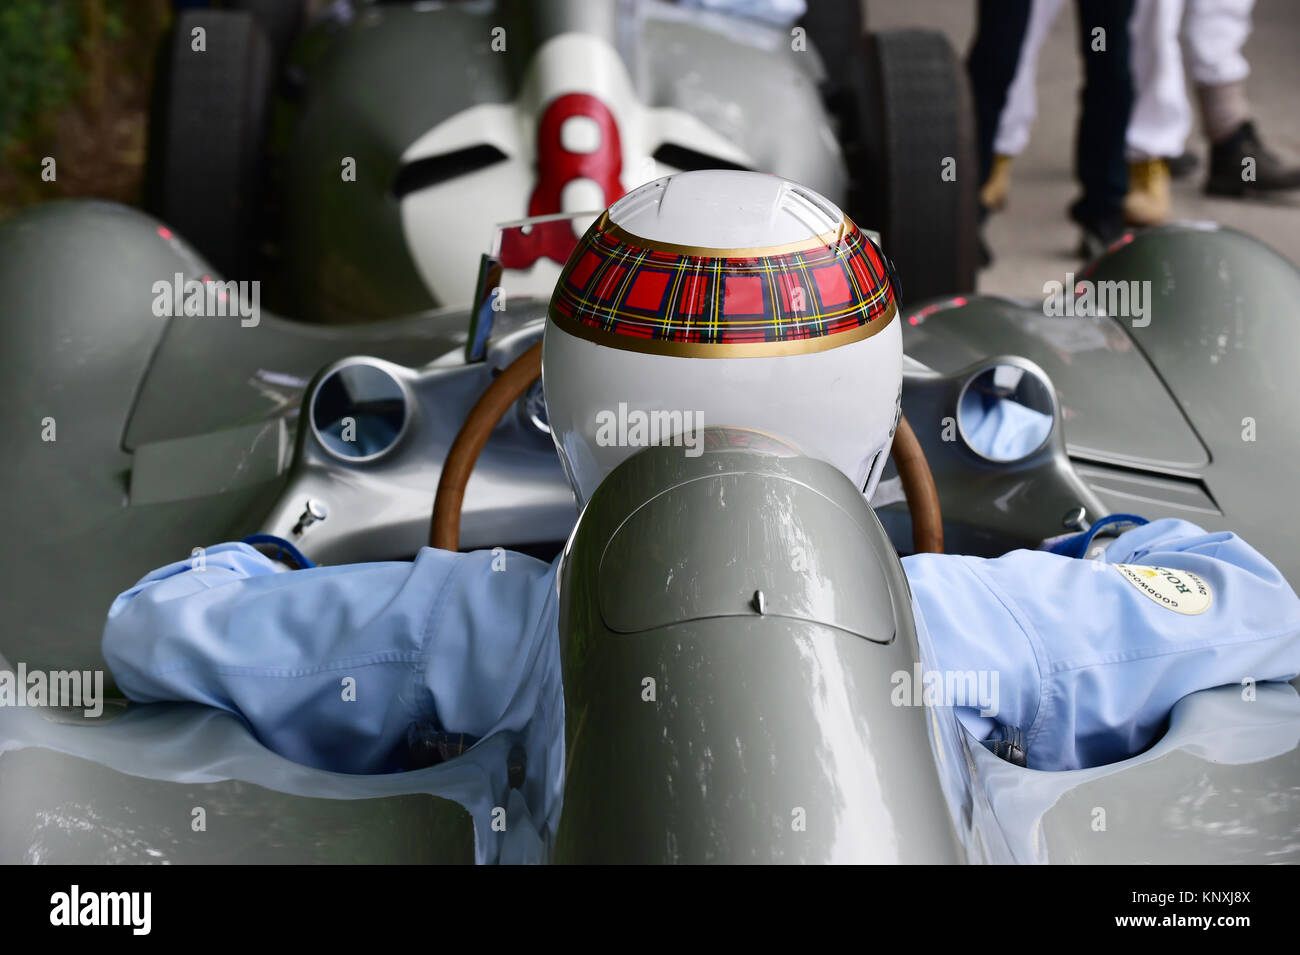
(1032, 240)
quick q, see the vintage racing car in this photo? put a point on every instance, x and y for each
(358, 161)
(152, 430)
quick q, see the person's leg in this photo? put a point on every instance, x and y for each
(999, 34)
(1162, 115)
(1107, 102)
(1021, 105)
(1215, 33)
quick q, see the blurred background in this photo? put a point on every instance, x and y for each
(1032, 237)
(75, 83)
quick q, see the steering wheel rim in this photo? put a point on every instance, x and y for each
(508, 387)
(505, 390)
(918, 488)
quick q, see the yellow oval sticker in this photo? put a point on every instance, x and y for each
(1179, 590)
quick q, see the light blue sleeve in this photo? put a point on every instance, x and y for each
(329, 666)
(1088, 659)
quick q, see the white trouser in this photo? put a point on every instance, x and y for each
(1162, 115)
(1022, 102)
(1215, 32)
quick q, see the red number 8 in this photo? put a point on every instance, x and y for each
(556, 168)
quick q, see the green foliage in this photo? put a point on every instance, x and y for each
(114, 24)
(38, 63)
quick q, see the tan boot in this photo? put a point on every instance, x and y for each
(994, 194)
(1147, 202)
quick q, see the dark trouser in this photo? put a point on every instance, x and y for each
(999, 34)
(1105, 105)
(1106, 100)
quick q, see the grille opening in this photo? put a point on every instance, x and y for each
(434, 170)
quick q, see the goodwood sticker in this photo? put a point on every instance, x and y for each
(1179, 590)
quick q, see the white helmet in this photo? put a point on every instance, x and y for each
(723, 299)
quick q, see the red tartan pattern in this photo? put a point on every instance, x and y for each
(613, 285)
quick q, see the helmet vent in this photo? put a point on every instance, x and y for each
(814, 211)
(645, 197)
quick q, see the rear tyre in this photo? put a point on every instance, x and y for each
(208, 134)
(910, 144)
(281, 22)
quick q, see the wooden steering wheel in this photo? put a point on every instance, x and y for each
(444, 531)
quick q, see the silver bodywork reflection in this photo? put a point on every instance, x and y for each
(175, 434)
(770, 737)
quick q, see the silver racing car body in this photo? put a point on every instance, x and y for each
(142, 432)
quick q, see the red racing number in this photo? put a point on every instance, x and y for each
(557, 166)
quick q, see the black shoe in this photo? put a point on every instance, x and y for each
(1180, 167)
(1232, 175)
(1099, 232)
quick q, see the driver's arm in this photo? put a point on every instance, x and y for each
(1090, 660)
(331, 665)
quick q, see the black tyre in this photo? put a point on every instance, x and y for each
(281, 21)
(208, 134)
(910, 141)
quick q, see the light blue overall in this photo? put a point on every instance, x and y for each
(331, 665)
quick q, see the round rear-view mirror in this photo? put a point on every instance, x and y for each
(358, 411)
(1006, 412)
